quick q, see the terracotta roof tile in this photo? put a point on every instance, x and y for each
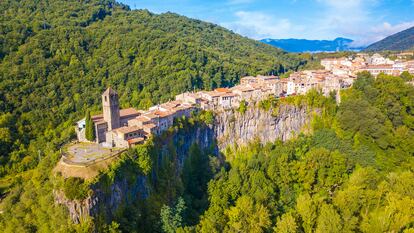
(128, 129)
(225, 90)
(128, 112)
(136, 140)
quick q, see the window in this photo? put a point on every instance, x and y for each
(106, 99)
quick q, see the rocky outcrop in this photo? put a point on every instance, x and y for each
(230, 128)
(121, 191)
(78, 209)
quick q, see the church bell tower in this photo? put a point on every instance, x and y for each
(110, 105)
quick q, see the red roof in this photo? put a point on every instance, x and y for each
(128, 129)
(97, 119)
(123, 113)
(225, 90)
(136, 140)
(129, 112)
(370, 67)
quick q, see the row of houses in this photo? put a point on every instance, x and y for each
(250, 89)
(123, 128)
(375, 64)
(300, 83)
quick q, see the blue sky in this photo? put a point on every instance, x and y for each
(365, 21)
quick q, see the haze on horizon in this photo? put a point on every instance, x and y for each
(365, 21)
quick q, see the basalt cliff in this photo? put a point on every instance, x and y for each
(230, 128)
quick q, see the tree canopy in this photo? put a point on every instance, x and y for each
(57, 57)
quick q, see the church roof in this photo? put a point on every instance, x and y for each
(123, 113)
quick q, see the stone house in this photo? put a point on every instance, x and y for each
(189, 97)
(245, 92)
(331, 63)
(126, 136)
(375, 70)
(248, 80)
(301, 82)
(377, 59)
(228, 100)
(212, 96)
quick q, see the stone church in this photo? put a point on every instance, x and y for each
(123, 128)
(112, 118)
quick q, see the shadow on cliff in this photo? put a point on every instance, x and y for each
(181, 163)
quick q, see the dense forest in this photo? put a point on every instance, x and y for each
(57, 57)
(353, 172)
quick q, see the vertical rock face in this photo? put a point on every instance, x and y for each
(120, 191)
(229, 128)
(232, 127)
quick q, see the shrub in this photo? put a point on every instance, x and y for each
(243, 107)
(75, 188)
(207, 117)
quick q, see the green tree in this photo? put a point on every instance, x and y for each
(286, 224)
(113, 228)
(195, 176)
(329, 221)
(243, 107)
(307, 211)
(246, 216)
(172, 217)
(75, 188)
(407, 76)
(144, 160)
(89, 127)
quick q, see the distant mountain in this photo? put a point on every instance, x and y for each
(400, 41)
(302, 45)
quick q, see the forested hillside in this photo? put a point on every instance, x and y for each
(398, 42)
(57, 57)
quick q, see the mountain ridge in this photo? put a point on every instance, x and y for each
(400, 41)
(304, 45)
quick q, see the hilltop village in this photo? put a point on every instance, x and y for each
(374, 64)
(123, 128)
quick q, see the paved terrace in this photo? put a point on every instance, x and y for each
(86, 160)
(84, 153)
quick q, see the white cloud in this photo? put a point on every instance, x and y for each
(379, 32)
(259, 25)
(354, 19)
(341, 16)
